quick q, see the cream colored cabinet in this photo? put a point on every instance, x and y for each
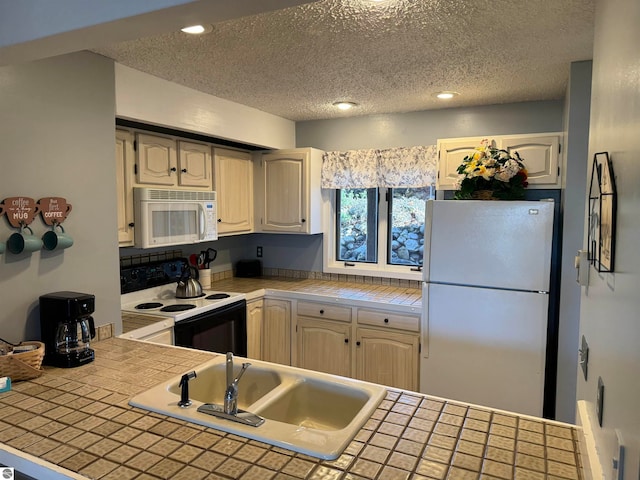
(540, 155)
(124, 187)
(169, 163)
(388, 358)
(234, 188)
(451, 153)
(323, 333)
(255, 311)
(324, 346)
(290, 198)
(194, 165)
(156, 160)
(276, 331)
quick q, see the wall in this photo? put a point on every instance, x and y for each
(152, 100)
(424, 128)
(610, 306)
(576, 143)
(56, 125)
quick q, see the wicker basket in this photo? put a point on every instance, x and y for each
(483, 195)
(24, 365)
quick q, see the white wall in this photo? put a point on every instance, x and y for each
(609, 316)
(152, 100)
(56, 125)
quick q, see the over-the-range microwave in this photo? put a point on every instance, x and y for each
(173, 217)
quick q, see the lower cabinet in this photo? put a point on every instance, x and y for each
(255, 311)
(385, 351)
(276, 331)
(324, 346)
(163, 337)
(388, 358)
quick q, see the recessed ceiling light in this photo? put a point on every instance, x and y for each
(446, 95)
(345, 105)
(197, 29)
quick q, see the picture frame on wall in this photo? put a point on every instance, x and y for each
(602, 213)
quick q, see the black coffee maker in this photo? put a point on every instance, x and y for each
(66, 328)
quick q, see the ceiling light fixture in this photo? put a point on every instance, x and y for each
(197, 29)
(446, 95)
(345, 105)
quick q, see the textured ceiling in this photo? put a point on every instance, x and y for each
(388, 56)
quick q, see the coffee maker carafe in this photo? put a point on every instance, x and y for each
(66, 328)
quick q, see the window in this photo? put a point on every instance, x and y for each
(376, 231)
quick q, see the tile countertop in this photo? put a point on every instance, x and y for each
(79, 419)
(366, 292)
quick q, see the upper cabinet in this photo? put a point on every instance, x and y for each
(124, 187)
(540, 154)
(234, 187)
(289, 199)
(166, 162)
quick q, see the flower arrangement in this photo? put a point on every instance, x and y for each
(491, 169)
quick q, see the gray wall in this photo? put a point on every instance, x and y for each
(609, 308)
(576, 143)
(56, 125)
(424, 128)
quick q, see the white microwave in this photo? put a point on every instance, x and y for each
(173, 217)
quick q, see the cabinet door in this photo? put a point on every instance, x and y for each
(254, 329)
(234, 188)
(387, 358)
(157, 163)
(124, 172)
(285, 190)
(164, 337)
(540, 155)
(324, 346)
(194, 165)
(276, 331)
(451, 153)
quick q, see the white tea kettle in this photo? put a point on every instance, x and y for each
(188, 284)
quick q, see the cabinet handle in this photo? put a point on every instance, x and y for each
(219, 220)
(184, 170)
(321, 312)
(303, 220)
(346, 340)
(132, 225)
(358, 344)
(173, 169)
(386, 320)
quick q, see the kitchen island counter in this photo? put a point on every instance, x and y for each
(80, 420)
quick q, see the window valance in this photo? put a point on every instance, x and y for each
(391, 168)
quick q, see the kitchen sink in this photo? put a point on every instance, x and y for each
(308, 412)
(211, 382)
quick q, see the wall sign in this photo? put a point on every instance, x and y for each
(20, 210)
(54, 210)
(603, 201)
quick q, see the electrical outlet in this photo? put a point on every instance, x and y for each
(258, 252)
(618, 460)
(600, 400)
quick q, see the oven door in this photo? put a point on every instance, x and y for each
(221, 330)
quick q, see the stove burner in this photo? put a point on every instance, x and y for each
(145, 306)
(217, 296)
(177, 308)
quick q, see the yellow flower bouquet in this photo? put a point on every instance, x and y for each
(490, 169)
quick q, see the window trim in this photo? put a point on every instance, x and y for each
(381, 269)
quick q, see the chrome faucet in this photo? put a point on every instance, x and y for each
(231, 394)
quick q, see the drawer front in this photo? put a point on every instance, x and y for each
(388, 319)
(323, 310)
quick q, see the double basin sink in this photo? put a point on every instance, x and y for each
(308, 412)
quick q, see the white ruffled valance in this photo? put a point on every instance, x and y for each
(391, 168)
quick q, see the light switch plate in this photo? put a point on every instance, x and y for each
(600, 400)
(584, 356)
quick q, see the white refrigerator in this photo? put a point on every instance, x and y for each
(485, 298)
